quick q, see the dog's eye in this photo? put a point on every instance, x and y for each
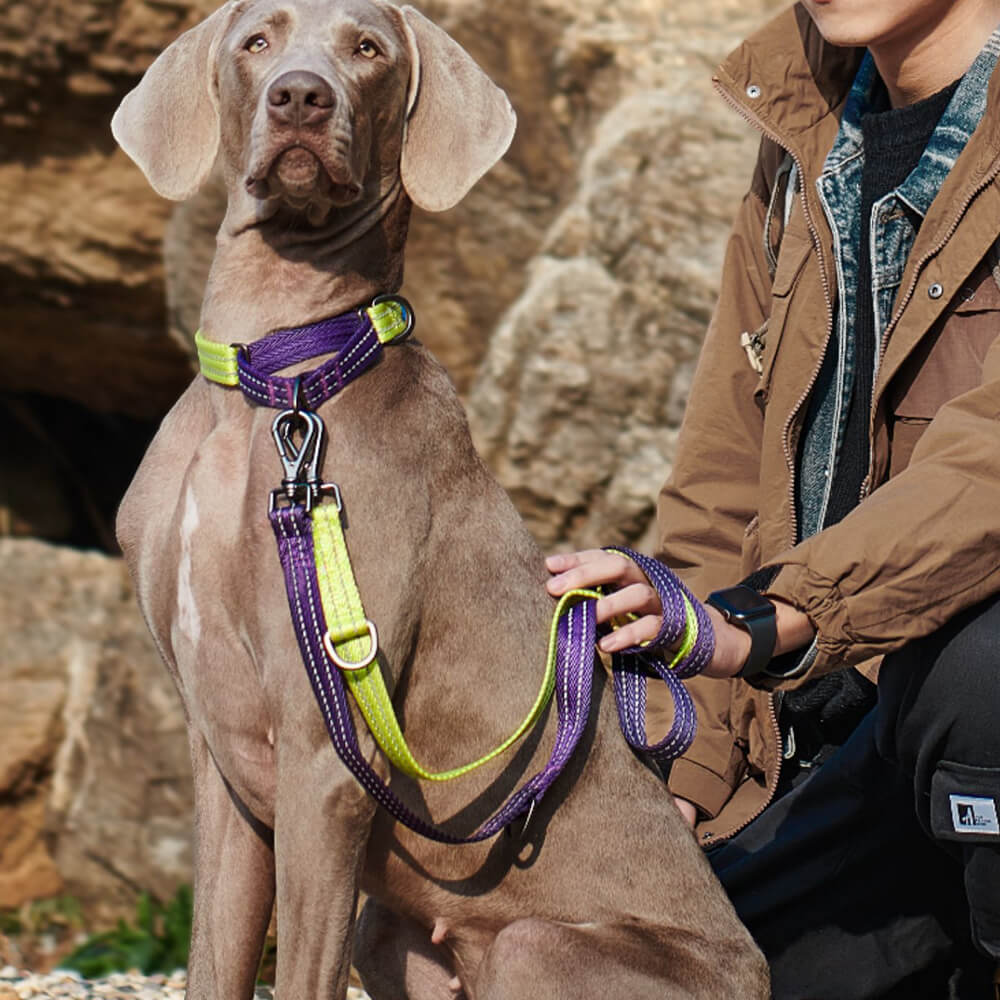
(256, 44)
(367, 48)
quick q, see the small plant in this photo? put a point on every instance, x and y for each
(55, 915)
(157, 942)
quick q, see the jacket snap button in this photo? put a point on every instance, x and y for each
(935, 291)
(753, 91)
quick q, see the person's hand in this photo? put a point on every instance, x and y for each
(631, 593)
(688, 810)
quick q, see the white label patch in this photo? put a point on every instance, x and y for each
(972, 814)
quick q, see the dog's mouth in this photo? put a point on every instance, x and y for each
(299, 177)
(298, 172)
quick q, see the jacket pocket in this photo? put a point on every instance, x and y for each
(947, 363)
(795, 250)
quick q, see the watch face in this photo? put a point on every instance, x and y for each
(741, 602)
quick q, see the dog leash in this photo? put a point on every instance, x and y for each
(327, 613)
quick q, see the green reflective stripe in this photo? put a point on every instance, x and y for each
(690, 633)
(217, 361)
(342, 608)
(345, 619)
(389, 319)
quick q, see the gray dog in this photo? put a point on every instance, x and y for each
(328, 117)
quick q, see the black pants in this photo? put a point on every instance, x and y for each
(879, 876)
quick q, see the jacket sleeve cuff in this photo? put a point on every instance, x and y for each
(700, 786)
(827, 614)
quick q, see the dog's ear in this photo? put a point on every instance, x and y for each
(169, 124)
(460, 122)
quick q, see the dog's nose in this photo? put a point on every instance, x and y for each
(300, 98)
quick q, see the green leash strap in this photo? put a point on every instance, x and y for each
(352, 642)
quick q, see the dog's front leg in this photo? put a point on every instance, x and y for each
(321, 830)
(233, 886)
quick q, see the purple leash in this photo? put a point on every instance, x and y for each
(353, 340)
(293, 530)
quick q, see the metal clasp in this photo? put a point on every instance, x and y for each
(300, 459)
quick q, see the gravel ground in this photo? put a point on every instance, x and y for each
(16, 985)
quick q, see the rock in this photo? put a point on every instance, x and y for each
(577, 404)
(81, 255)
(81, 278)
(94, 771)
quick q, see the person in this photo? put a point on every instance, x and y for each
(836, 490)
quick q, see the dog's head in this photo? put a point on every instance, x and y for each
(314, 105)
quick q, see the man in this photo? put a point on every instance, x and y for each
(841, 456)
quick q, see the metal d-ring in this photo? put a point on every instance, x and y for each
(353, 664)
(407, 313)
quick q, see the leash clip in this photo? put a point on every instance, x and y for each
(300, 460)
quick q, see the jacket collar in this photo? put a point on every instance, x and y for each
(793, 85)
(959, 121)
(789, 82)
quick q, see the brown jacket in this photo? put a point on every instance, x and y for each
(924, 543)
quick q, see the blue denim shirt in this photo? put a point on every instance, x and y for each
(891, 236)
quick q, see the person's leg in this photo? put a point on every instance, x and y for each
(841, 889)
(939, 720)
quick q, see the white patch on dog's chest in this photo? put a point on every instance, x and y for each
(188, 618)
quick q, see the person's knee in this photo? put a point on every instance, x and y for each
(982, 888)
(938, 697)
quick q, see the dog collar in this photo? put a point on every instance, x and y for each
(356, 338)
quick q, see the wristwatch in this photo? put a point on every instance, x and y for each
(744, 607)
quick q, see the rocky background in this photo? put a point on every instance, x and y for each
(567, 295)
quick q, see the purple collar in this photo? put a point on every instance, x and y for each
(355, 338)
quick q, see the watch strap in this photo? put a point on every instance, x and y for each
(763, 636)
(756, 619)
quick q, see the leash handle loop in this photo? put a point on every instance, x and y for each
(685, 620)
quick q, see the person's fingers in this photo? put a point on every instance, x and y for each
(590, 568)
(634, 599)
(561, 561)
(639, 631)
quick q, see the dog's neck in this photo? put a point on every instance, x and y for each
(278, 274)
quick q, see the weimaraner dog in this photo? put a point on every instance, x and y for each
(328, 118)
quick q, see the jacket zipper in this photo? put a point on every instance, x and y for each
(751, 119)
(755, 122)
(884, 345)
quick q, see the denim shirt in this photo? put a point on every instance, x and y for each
(892, 232)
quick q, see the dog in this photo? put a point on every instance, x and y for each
(327, 119)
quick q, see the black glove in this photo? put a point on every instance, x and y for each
(827, 710)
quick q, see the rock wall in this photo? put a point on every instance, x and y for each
(567, 295)
(95, 795)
